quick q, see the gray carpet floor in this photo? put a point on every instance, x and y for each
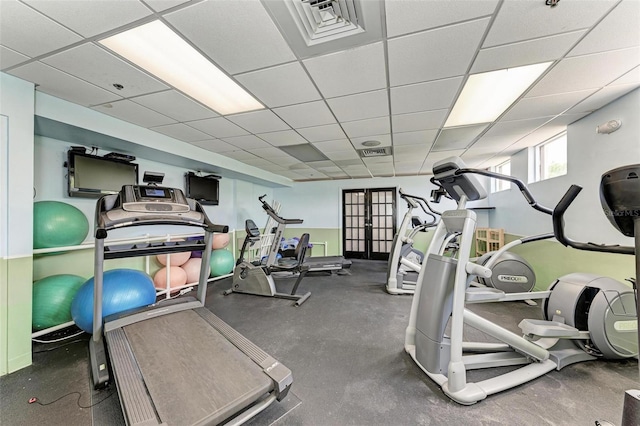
(345, 349)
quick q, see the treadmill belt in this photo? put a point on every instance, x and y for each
(192, 372)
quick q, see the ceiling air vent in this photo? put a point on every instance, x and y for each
(314, 27)
(375, 152)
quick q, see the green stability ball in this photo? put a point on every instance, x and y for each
(221, 262)
(52, 297)
(57, 224)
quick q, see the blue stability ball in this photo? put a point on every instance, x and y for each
(221, 262)
(52, 298)
(57, 224)
(123, 289)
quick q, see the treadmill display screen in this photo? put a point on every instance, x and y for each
(156, 193)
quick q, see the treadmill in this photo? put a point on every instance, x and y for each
(174, 362)
(312, 263)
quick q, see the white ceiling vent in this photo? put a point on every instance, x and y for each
(324, 20)
(314, 27)
(375, 152)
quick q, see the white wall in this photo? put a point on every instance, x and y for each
(237, 200)
(589, 156)
(319, 204)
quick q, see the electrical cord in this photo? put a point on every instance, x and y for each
(58, 347)
(35, 400)
(58, 340)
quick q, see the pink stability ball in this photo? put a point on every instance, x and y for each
(178, 278)
(220, 241)
(192, 268)
(176, 259)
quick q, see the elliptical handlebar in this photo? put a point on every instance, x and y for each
(521, 186)
(558, 227)
(422, 202)
(271, 212)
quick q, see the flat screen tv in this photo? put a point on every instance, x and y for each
(205, 189)
(91, 176)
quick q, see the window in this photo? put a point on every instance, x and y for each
(503, 169)
(551, 158)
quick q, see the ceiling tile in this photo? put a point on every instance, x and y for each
(421, 137)
(160, 5)
(541, 20)
(269, 153)
(282, 85)
(248, 142)
(384, 139)
(434, 157)
(182, 132)
(457, 137)
(620, 29)
(240, 155)
(411, 152)
(351, 71)
(134, 113)
(542, 106)
(337, 145)
(569, 75)
(259, 121)
(342, 155)
(528, 52)
(97, 66)
(430, 55)
(322, 133)
(17, 24)
(410, 16)
(603, 97)
(235, 34)
(426, 120)
(283, 138)
(62, 85)
(372, 126)
(218, 127)
(510, 131)
(427, 96)
(9, 58)
(632, 76)
(306, 115)
(215, 145)
(175, 105)
(89, 18)
(360, 106)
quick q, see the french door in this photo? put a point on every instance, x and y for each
(368, 222)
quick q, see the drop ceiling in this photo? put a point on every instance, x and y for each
(394, 81)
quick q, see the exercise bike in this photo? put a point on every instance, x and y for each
(256, 277)
(576, 327)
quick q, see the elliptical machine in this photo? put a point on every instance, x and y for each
(402, 244)
(620, 200)
(443, 289)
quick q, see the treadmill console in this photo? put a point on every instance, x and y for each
(153, 199)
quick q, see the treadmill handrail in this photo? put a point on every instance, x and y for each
(559, 231)
(111, 202)
(271, 212)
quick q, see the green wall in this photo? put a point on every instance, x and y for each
(15, 312)
(551, 260)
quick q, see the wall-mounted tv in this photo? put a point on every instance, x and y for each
(91, 176)
(205, 189)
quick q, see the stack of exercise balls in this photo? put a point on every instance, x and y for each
(56, 224)
(180, 269)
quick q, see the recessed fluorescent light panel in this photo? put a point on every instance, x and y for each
(160, 51)
(487, 95)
